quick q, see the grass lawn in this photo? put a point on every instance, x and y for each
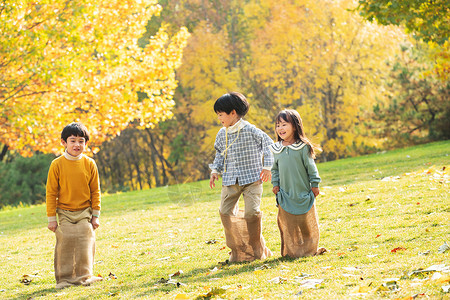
(382, 217)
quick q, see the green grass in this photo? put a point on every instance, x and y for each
(148, 235)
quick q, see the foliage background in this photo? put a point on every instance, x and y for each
(360, 87)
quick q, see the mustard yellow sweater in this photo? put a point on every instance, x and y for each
(72, 184)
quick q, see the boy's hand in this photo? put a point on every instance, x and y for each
(95, 222)
(52, 226)
(265, 175)
(276, 189)
(214, 177)
(315, 191)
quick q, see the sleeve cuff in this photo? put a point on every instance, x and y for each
(214, 171)
(315, 184)
(96, 213)
(52, 219)
(267, 168)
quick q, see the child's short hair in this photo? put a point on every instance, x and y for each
(232, 101)
(75, 129)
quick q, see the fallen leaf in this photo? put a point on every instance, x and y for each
(177, 273)
(213, 292)
(310, 283)
(112, 276)
(352, 248)
(223, 263)
(163, 280)
(181, 296)
(378, 235)
(360, 290)
(443, 279)
(278, 280)
(431, 269)
(27, 279)
(211, 242)
(444, 248)
(391, 286)
(321, 251)
(425, 252)
(302, 276)
(263, 267)
(163, 258)
(446, 288)
(395, 250)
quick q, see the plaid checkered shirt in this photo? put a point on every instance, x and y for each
(244, 156)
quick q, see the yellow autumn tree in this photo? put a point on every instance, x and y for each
(326, 62)
(207, 74)
(64, 61)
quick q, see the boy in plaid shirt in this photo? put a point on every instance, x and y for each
(244, 159)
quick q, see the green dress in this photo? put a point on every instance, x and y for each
(295, 172)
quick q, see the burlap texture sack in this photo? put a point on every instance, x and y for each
(299, 233)
(244, 237)
(75, 248)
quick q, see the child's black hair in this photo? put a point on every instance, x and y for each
(75, 129)
(232, 101)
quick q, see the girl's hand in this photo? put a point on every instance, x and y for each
(214, 177)
(52, 226)
(95, 222)
(315, 191)
(265, 175)
(276, 189)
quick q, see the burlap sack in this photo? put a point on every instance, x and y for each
(244, 237)
(299, 233)
(75, 248)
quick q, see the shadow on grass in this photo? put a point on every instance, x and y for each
(204, 275)
(40, 293)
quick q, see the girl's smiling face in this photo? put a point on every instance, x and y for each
(75, 145)
(285, 131)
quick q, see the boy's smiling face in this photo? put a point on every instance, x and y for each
(228, 120)
(75, 145)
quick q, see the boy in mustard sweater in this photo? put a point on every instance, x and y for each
(73, 194)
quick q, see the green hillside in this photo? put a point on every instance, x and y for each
(382, 217)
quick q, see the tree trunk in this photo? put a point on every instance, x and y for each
(3, 153)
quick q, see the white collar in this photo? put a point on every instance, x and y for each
(70, 157)
(278, 146)
(237, 126)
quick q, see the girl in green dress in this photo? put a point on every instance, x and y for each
(295, 181)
